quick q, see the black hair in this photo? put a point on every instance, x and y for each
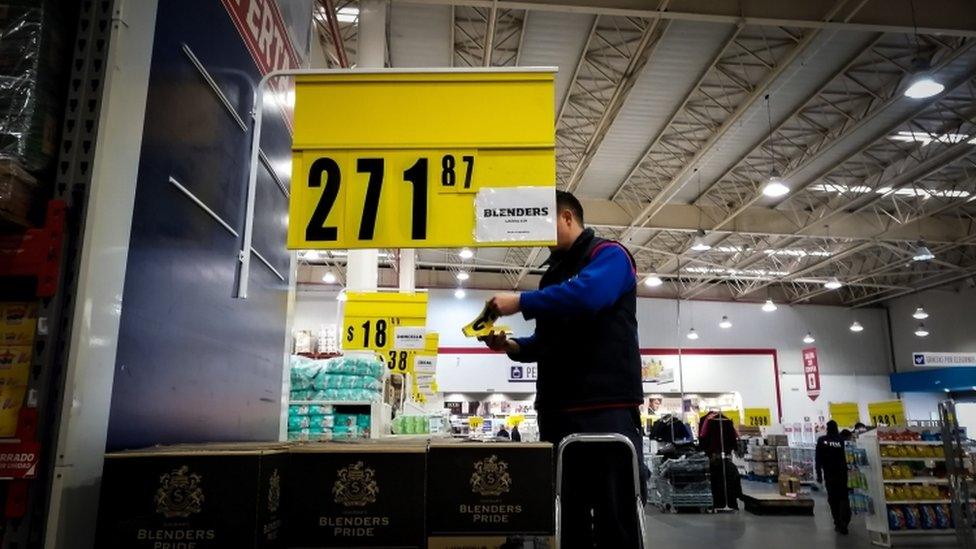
(860, 425)
(832, 428)
(566, 201)
(846, 435)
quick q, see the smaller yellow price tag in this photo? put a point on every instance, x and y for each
(758, 417)
(846, 414)
(889, 412)
(371, 320)
(484, 324)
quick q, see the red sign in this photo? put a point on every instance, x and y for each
(811, 372)
(19, 459)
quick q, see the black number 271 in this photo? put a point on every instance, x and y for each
(416, 175)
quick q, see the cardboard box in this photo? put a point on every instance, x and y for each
(490, 489)
(193, 497)
(492, 542)
(14, 373)
(357, 494)
(776, 440)
(788, 485)
(18, 322)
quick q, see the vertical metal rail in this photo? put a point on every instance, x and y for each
(959, 484)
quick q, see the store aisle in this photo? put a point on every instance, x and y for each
(744, 530)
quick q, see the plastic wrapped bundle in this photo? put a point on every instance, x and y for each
(310, 410)
(346, 395)
(341, 381)
(306, 435)
(315, 423)
(303, 372)
(355, 366)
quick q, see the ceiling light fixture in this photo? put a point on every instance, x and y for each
(922, 253)
(653, 281)
(923, 84)
(833, 283)
(856, 327)
(342, 296)
(808, 339)
(692, 334)
(460, 293)
(311, 255)
(769, 306)
(775, 187)
(921, 331)
(465, 253)
(329, 277)
(699, 245)
(462, 275)
(920, 314)
(725, 324)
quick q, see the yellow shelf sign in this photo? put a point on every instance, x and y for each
(846, 414)
(379, 321)
(758, 417)
(434, 159)
(889, 412)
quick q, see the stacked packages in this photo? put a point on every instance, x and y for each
(317, 386)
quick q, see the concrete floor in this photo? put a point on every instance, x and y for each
(743, 530)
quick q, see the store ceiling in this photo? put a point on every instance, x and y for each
(664, 124)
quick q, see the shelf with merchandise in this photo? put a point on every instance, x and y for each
(886, 459)
(916, 480)
(910, 442)
(932, 532)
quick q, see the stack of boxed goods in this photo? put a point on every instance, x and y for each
(18, 322)
(761, 460)
(318, 385)
(193, 496)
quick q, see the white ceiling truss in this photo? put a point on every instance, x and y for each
(812, 92)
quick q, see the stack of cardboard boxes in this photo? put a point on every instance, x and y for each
(381, 493)
(18, 324)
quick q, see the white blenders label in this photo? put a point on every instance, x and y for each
(513, 214)
(409, 337)
(424, 364)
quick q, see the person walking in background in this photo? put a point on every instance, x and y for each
(831, 465)
(589, 379)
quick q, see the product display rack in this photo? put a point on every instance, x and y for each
(873, 495)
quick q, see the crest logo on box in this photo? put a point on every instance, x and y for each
(490, 477)
(274, 492)
(179, 494)
(355, 486)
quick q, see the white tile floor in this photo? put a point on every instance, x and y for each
(743, 530)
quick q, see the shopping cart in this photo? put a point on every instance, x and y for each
(614, 438)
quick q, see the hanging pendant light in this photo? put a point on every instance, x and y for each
(923, 84)
(653, 281)
(920, 314)
(459, 293)
(769, 306)
(921, 331)
(833, 283)
(856, 327)
(329, 277)
(465, 253)
(725, 324)
(699, 245)
(775, 187)
(463, 275)
(808, 339)
(922, 253)
(692, 334)
(342, 296)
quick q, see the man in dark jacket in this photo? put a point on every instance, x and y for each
(831, 465)
(589, 380)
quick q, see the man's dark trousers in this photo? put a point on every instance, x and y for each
(598, 506)
(840, 505)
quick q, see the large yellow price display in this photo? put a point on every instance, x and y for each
(376, 321)
(758, 417)
(846, 414)
(421, 164)
(889, 412)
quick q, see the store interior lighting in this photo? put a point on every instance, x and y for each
(329, 277)
(833, 283)
(856, 327)
(808, 339)
(692, 334)
(466, 253)
(923, 253)
(923, 85)
(769, 306)
(463, 275)
(921, 331)
(725, 324)
(460, 293)
(653, 281)
(699, 245)
(311, 255)
(920, 314)
(775, 187)
(342, 296)
(348, 14)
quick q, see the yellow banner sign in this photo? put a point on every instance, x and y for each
(891, 412)
(377, 321)
(433, 159)
(846, 414)
(758, 417)
(730, 413)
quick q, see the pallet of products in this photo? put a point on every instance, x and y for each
(318, 387)
(18, 323)
(761, 461)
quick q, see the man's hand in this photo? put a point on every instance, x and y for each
(505, 304)
(499, 342)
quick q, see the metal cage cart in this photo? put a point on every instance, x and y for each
(684, 483)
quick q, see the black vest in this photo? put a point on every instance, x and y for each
(587, 359)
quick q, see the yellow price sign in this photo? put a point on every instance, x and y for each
(439, 159)
(730, 413)
(846, 414)
(375, 321)
(889, 412)
(758, 417)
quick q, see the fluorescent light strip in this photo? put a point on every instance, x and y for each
(904, 191)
